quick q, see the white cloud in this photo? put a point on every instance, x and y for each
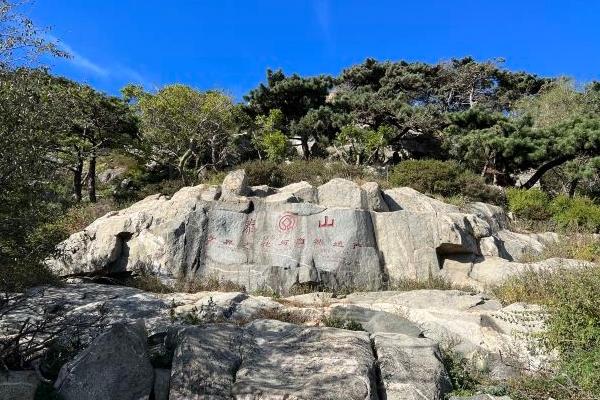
(323, 17)
(114, 71)
(79, 60)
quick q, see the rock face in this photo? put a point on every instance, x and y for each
(411, 368)
(219, 345)
(338, 235)
(18, 385)
(271, 359)
(115, 366)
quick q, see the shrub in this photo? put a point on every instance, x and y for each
(444, 178)
(529, 204)
(348, 324)
(263, 173)
(428, 176)
(315, 171)
(207, 284)
(573, 324)
(461, 372)
(576, 213)
(577, 246)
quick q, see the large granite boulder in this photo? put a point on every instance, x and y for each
(272, 359)
(408, 199)
(235, 348)
(115, 366)
(235, 184)
(412, 243)
(411, 368)
(485, 272)
(339, 235)
(158, 234)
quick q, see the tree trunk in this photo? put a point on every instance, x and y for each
(305, 148)
(573, 186)
(91, 178)
(545, 168)
(77, 181)
(182, 162)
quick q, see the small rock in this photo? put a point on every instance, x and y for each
(342, 193)
(374, 198)
(235, 184)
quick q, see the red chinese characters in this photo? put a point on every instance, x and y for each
(327, 223)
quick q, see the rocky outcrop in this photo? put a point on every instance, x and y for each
(115, 366)
(339, 235)
(223, 345)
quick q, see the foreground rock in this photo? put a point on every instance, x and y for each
(411, 368)
(115, 366)
(18, 385)
(273, 359)
(403, 332)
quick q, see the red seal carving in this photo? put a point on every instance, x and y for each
(287, 222)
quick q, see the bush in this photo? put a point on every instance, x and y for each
(530, 204)
(576, 213)
(444, 178)
(573, 324)
(428, 176)
(316, 172)
(340, 323)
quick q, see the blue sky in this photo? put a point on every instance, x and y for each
(230, 44)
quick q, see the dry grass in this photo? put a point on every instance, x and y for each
(292, 317)
(207, 284)
(579, 246)
(433, 282)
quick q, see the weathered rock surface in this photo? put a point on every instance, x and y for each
(483, 273)
(411, 368)
(115, 366)
(234, 352)
(235, 184)
(271, 359)
(342, 193)
(18, 385)
(339, 235)
(375, 200)
(290, 361)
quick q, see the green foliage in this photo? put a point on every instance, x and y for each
(271, 140)
(461, 372)
(185, 128)
(530, 204)
(573, 214)
(428, 176)
(364, 144)
(340, 323)
(314, 171)
(274, 143)
(573, 323)
(444, 178)
(546, 387)
(576, 213)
